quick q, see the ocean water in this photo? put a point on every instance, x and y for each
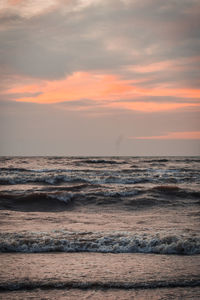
(99, 227)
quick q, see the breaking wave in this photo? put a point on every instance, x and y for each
(112, 242)
(84, 193)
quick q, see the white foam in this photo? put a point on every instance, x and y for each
(113, 242)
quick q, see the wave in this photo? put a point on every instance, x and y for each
(83, 194)
(58, 179)
(125, 180)
(55, 284)
(124, 176)
(176, 191)
(52, 180)
(63, 198)
(159, 160)
(18, 170)
(102, 161)
(11, 169)
(36, 201)
(192, 160)
(112, 242)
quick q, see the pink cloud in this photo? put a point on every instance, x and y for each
(185, 135)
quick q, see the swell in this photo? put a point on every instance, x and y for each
(174, 190)
(60, 200)
(110, 242)
(37, 201)
(28, 285)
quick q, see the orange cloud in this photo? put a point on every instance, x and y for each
(78, 86)
(103, 87)
(186, 135)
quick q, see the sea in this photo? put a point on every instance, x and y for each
(100, 228)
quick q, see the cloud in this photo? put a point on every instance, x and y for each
(28, 8)
(104, 90)
(126, 66)
(150, 107)
(187, 135)
(99, 35)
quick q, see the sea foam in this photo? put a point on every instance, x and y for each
(112, 242)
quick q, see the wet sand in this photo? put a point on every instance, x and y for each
(98, 276)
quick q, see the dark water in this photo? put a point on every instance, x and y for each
(126, 206)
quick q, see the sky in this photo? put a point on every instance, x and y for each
(100, 77)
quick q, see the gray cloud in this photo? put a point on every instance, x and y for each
(107, 36)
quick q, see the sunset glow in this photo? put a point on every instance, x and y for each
(85, 85)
